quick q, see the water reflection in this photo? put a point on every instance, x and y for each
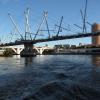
(95, 70)
(17, 56)
(96, 60)
(28, 60)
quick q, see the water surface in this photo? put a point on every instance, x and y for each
(50, 77)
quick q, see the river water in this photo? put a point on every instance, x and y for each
(50, 77)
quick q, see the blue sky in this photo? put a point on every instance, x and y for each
(70, 9)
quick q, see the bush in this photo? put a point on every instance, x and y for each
(8, 52)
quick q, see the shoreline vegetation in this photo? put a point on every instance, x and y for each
(7, 53)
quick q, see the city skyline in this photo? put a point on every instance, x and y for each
(69, 9)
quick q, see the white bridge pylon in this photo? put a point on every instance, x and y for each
(18, 48)
(40, 50)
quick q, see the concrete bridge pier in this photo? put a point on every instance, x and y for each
(39, 50)
(28, 50)
(17, 50)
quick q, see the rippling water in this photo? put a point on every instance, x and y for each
(50, 77)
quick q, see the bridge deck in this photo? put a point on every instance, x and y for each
(54, 38)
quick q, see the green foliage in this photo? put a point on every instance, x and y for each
(8, 52)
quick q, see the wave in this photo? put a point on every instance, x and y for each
(64, 90)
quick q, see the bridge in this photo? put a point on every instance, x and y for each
(28, 41)
(54, 38)
(18, 48)
(28, 44)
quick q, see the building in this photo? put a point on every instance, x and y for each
(96, 39)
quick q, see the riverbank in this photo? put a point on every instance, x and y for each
(76, 53)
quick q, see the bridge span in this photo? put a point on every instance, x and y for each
(53, 38)
(28, 44)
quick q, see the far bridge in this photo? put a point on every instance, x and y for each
(18, 48)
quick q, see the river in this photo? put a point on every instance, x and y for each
(50, 77)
